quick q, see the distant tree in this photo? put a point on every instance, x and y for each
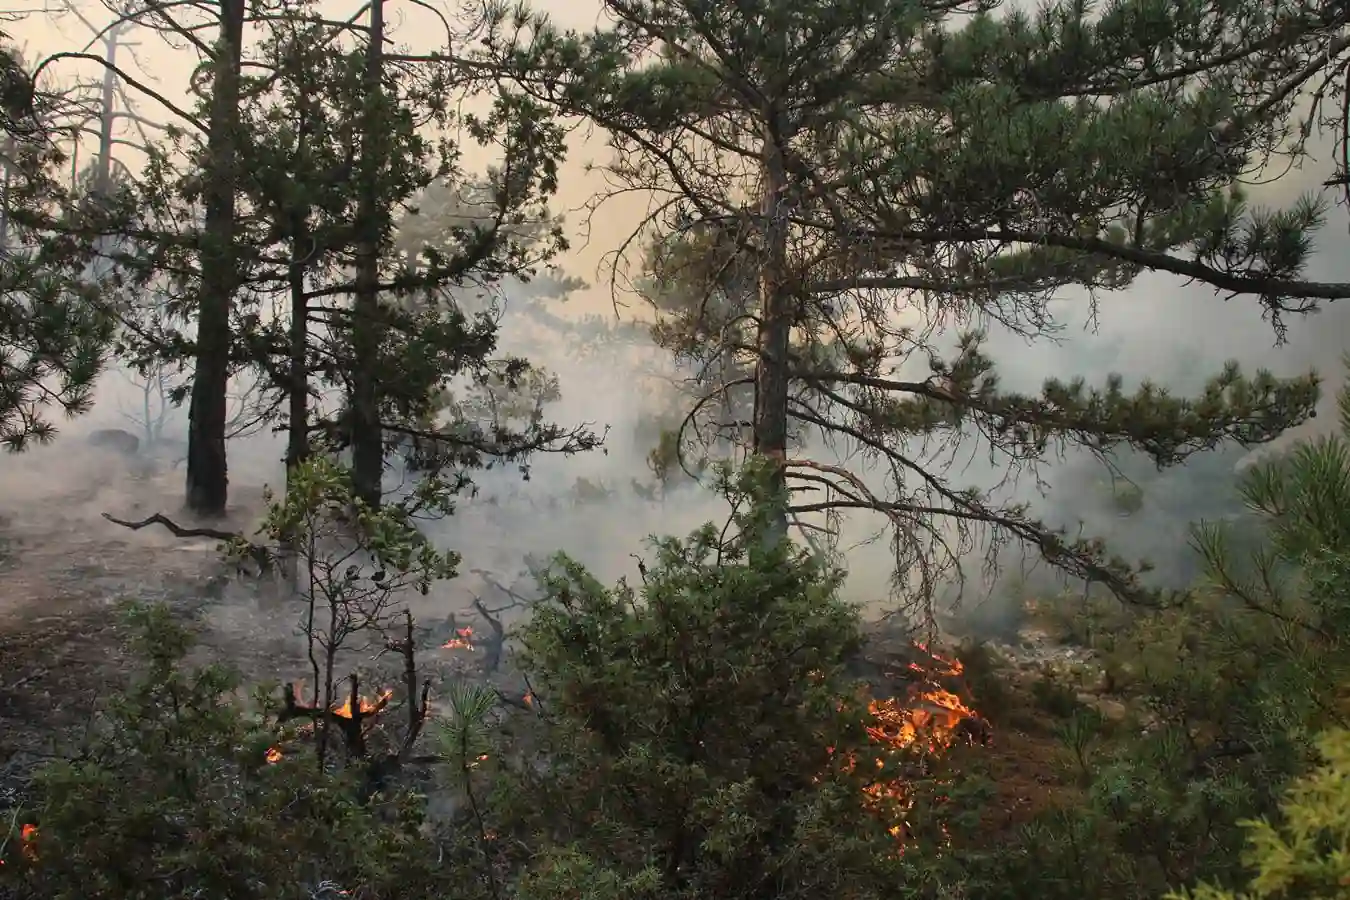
(444, 236)
(890, 172)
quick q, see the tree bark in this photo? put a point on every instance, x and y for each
(207, 477)
(775, 333)
(367, 440)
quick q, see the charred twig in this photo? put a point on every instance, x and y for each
(418, 702)
(493, 647)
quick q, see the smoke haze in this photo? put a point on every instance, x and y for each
(1159, 329)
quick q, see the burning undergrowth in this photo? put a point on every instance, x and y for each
(919, 707)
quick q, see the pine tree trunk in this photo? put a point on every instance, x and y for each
(297, 443)
(207, 478)
(775, 332)
(367, 440)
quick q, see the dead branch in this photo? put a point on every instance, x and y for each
(418, 705)
(494, 646)
(262, 556)
(351, 725)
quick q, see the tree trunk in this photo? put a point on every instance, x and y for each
(207, 479)
(775, 332)
(103, 165)
(367, 440)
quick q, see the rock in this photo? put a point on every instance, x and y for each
(115, 439)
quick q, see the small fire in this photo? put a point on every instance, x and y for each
(463, 639)
(930, 717)
(273, 755)
(28, 838)
(365, 705)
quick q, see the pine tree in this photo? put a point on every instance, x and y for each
(443, 237)
(54, 327)
(895, 170)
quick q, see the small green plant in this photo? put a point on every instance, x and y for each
(350, 564)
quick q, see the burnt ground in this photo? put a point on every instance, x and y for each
(65, 570)
(63, 642)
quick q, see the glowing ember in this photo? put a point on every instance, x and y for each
(463, 640)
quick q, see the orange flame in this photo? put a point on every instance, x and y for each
(273, 755)
(463, 640)
(28, 836)
(365, 705)
(929, 716)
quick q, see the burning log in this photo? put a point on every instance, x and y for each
(354, 718)
(349, 720)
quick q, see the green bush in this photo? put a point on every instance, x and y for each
(696, 730)
(1231, 685)
(1306, 855)
(174, 797)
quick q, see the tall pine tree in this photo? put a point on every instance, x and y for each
(894, 171)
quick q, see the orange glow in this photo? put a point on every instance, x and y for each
(463, 640)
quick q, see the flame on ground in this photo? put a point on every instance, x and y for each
(930, 717)
(463, 640)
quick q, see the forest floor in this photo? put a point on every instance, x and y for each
(64, 643)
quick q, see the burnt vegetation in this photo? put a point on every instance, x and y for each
(846, 200)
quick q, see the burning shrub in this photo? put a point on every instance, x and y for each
(697, 728)
(175, 797)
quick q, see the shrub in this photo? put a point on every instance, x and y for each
(1233, 683)
(1304, 856)
(698, 728)
(175, 796)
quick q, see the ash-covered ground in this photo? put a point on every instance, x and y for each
(65, 571)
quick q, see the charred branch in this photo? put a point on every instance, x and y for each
(260, 555)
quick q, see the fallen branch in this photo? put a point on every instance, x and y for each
(262, 556)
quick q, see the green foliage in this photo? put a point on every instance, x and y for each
(1228, 690)
(174, 797)
(319, 508)
(1305, 855)
(691, 721)
(55, 311)
(937, 168)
